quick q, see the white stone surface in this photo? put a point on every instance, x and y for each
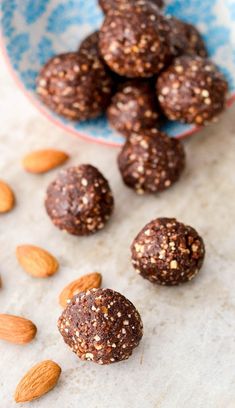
(187, 356)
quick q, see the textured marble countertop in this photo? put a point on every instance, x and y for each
(187, 356)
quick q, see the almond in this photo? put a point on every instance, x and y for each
(7, 199)
(16, 329)
(36, 261)
(42, 161)
(85, 282)
(40, 379)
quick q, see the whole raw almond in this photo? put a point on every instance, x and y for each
(36, 261)
(42, 161)
(7, 198)
(85, 282)
(40, 379)
(16, 329)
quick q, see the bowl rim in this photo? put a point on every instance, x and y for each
(46, 113)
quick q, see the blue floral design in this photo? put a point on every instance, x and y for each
(216, 37)
(45, 50)
(186, 10)
(32, 10)
(8, 7)
(18, 45)
(229, 77)
(72, 13)
(231, 8)
(29, 77)
(99, 127)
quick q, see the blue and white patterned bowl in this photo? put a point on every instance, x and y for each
(34, 30)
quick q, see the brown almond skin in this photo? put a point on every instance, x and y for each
(36, 261)
(7, 198)
(40, 379)
(82, 284)
(16, 329)
(42, 161)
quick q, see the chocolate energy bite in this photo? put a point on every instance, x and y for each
(110, 5)
(90, 45)
(79, 201)
(101, 325)
(135, 42)
(186, 39)
(134, 107)
(192, 90)
(167, 252)
(76, 86)
(151, 162)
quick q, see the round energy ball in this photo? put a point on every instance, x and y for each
(167, 252)
(151, 162)
(79, 201)
(90, 45)
(110, 5)
(186, 39)
(134, 107)
(192, 90)
(135, 42)
(101, 325)
(76, 86)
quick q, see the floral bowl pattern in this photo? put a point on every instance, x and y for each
(34, 30)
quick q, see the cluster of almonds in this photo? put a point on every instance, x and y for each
(89, 322)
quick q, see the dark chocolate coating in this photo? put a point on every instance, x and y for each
(110, 5)
(79, 201)
(167, 252)
(134, 107)
(76, 86)
(192, 90)
(101, 325)
(135, 42)
(186, 39)
(151, 162)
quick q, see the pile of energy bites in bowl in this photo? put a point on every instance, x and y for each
(141, 68)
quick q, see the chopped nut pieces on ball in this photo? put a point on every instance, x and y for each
(110, 5)
(90, 44)
(135, 43)
(167, 252)
(101, 325)
(185, 39)
(192, 90)
(151, 161)
(134, 107)
(76, 86)
(79, 201)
